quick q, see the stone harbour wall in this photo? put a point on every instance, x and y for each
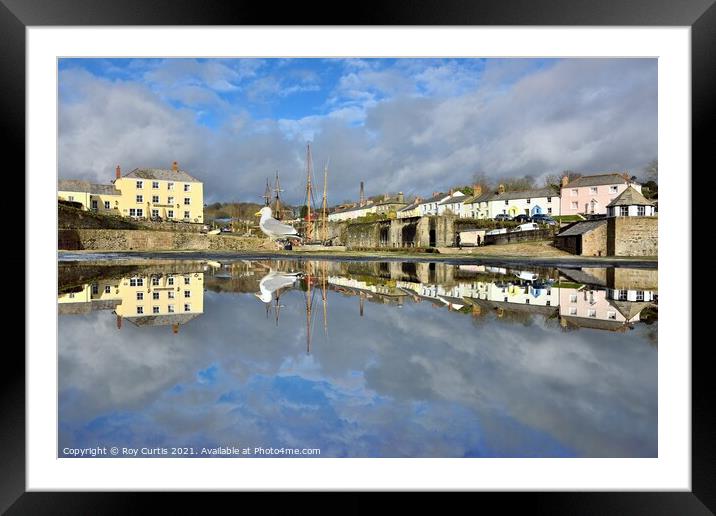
(633, 236)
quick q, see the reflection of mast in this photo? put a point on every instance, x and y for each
(324, 207)
(362, 302)
(277, 308)
(277, 190)
(267, 193)
(309, 193)
(309, 303)
(324, 280)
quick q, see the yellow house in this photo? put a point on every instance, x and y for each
(152, 193)
(144, 300)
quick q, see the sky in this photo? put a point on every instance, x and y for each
(410, 125)
(414, 380)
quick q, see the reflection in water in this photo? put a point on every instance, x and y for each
(452, 361)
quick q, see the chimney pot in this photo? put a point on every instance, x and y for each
(119, 322)
(175, 166)
(565, 181)
(501, 188)
(118, 172)
(175, 328)
(477, 190)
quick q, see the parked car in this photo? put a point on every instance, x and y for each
(530, 226)
(544, 219)
(226, 229)
(502, 217)
(499, 231)
(522, 218)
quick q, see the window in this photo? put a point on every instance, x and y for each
(94, 205)
(575, 192)
(155, 214)
(640, 295)
(612, 315)
(529, 201)
(155, 295)
(573, 298)
(187, 307)
(140, 184)
(624, 211)
(140, 296)
(140, 309)
(549, 211)
(549, 199)
(170, 309)
(574, 205)
(170, 294)
(573, 310)
(136, 212)
(155, 309)
(170, 186)
(140, 198)
(187, 200)
(506, 203)
(170, 214)
(527, 301)
(70, 198)
(187, 187)
(155, 198)
(107, 289)
(187, 280)
(187, 293)
(591, 312)
(170, 280)
(170, 200)
(106, 205)
(641, 211)
(155, 185)
(187, 215)
(593, 190)
(155, 281)
(613, 189)
(548, 303)
(95, 288)
(622, 295)
(136, 282)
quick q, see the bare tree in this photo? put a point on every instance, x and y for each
(481, 179)
(552, 180)
(651, 171)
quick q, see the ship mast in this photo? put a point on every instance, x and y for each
(324, 207)
(309, 193)
(267, 194)
(277, 190)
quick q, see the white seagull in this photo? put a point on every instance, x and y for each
(274, 281)
(272, 228)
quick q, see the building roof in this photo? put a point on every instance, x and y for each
(478, 198)
(410, 206)
(460, 197)
(526, 194)
(353, 208)
(162, 174)
(435, 198)
(630, 197)
(582, 227)
(612, 178)
(77, 185)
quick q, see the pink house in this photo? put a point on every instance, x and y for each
(591, 194)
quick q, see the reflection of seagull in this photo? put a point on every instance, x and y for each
(273, 228)
(274, 281)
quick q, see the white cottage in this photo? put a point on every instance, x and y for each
(527, 202)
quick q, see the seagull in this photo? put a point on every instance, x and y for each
(274, 281)
(272, 228)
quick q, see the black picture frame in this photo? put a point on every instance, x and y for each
(16, 15)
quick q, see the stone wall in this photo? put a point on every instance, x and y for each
(519, 236)
(145, 240)
(633, 236)
(594, 242)
(632, 279)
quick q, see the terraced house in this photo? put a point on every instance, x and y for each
(150, 193)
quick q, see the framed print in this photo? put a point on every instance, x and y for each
(417, 253)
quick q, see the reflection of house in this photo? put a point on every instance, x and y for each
(544, 201)
(142, 193)
(592, 194)
(589, 308)
(144, 300)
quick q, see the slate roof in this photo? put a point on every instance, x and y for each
(434, 198)
(454, 198)
(77, 185)
(612, 178)
(478, 198)
(526, 194)
(162, 174)
(410, 206)
(582, 227)
(630, 197)
(353, 208)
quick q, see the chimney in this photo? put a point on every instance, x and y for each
(175, 166)
(386, 196)
(501, 189)
(435, 194)
(418, 199)
(362, 195)
(118, 172)
(400, 197)
(565, 181)
(119, 318)
(477, 190)
(175, 329)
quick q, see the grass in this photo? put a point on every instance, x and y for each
(568, 218)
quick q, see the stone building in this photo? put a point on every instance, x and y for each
(587, 238)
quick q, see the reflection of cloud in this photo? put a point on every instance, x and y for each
(410, 382)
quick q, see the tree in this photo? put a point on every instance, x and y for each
(482, 180)
(571, 175)
(552, 180)
(526, 182)
(651, 171)
(650, 190)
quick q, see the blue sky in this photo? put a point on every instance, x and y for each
(412, 125)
